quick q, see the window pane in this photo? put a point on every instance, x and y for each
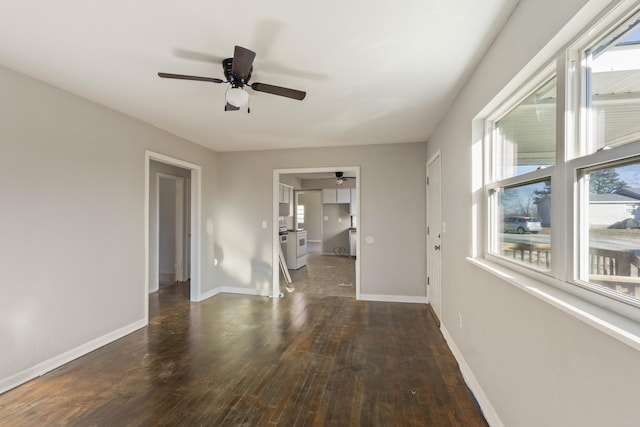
(523, 223)
(613, 90)
(526, 136)
(300, 214)
(614, 228)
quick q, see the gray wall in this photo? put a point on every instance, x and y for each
(335, 231)
(392, 186)
(72, 176)
(167, 228)
(312, 202)
(537, 365)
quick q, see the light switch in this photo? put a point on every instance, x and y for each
(264, 224)
(326, 218)
(339, 219)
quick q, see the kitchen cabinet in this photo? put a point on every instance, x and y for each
(344, 195)
(336, 195)
(329, 195)
(285, 199)
(285, 193)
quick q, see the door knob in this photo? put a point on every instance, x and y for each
(436, 247)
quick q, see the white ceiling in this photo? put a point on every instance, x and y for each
(374, 71)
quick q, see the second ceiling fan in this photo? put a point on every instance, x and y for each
(237, 71)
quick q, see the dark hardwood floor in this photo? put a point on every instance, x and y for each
(234, 360)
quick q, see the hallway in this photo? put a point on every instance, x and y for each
(246, 360)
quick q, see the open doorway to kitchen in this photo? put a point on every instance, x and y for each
(318, 230)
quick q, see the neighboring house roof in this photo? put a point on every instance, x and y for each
(630, 192)
(613, 198)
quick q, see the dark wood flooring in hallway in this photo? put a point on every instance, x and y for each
(234, 360)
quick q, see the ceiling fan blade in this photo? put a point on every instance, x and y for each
(230, 107)
(186, 77)
(277, 90)
(242, 62)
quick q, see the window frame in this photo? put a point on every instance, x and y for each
(492, 169)
(568, 235)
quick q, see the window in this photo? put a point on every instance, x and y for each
(525, 137)
(611, 249)
(584, 144)
(523, 146)
(300, 214)
(523, 230)
(612, 105)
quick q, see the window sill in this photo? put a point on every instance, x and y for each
(613, 324)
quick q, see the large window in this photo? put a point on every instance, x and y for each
(569, 161)
(523, 146)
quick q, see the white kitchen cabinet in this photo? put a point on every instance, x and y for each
(344, 195)
(285, 192)
(336, 195)
(285, 196)
(329, 195)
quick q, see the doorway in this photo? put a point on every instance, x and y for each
(434, 236)
(180, 181)
(325, 173)
(173, 232)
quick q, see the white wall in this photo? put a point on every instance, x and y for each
(536, 365)
(392, 211)
(72, 247)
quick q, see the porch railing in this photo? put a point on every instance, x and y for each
(617, 270)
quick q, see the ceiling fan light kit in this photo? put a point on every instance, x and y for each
(237, 71)
(237, 97)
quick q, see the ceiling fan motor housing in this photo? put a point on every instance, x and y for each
(235, 81)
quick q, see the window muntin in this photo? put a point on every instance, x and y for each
(522, 223)
(612, 98)
(525, 138)
(611, 250)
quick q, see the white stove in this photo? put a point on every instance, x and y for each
(296, 254)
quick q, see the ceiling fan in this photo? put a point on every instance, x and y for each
(237, 72)
(340, 178)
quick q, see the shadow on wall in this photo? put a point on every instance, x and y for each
(258, 279)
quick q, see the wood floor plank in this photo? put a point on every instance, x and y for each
(304, 360)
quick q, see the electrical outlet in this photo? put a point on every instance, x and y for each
(264, 224)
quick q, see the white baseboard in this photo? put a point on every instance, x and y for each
(66, 357)
(393, 298)
(487, 408)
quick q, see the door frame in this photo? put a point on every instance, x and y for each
(436, 313)
(195, 223)
(355, 170)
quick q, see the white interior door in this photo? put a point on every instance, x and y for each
(434, 236)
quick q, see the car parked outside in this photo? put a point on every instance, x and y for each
(522, 224)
